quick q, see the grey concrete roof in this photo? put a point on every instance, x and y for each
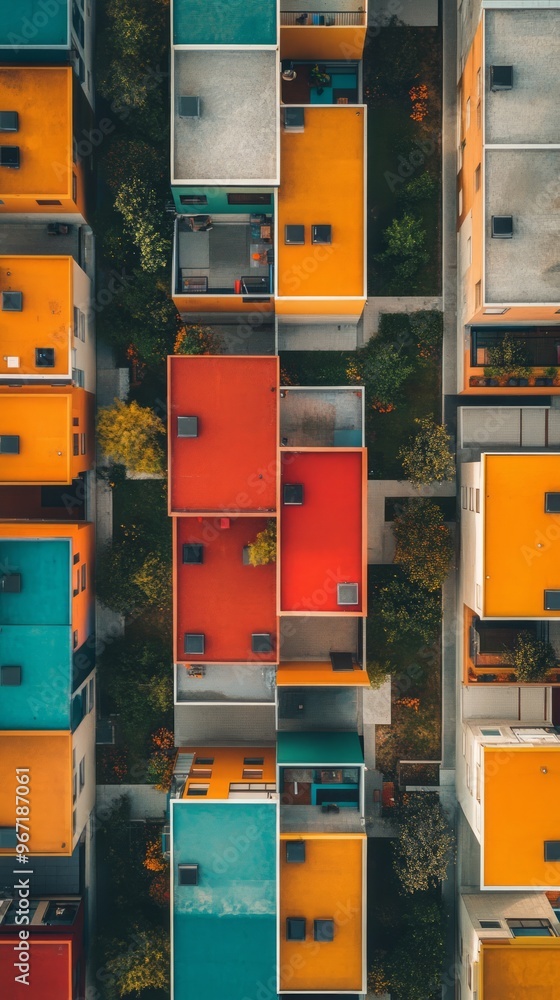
(529, 41)
(312, 417)
(250, 682)
(334, 708)
(313, 638)
(523, 183)
(235, 137)
(224, 725)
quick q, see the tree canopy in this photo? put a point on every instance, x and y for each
(424, 548)
(407, 609)
(427, 457)
(263, 549)
(531, 658)
(142, 965)
(424, 845)
(132, 435)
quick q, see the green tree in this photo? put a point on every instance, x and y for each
(262, 550)
(424, 845)
(405, 249)
(414, 966)
(145, 222)
(418, 189)
(116, 567)
(507, 357)
(197, 339)
(377, 671)
(145, 965)
(383, 369)
(407, 610)
(412, 735)
(426, 328)
(427, 458)
(531, 658)
(153, 578)
(141, 314)
(424, 548)
(132, 435)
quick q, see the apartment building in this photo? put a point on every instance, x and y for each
(262, 226)
(56, 946)
(509, 142)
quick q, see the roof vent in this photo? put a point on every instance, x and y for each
(189, 107)
(347, 593)
(295, 851)
(12, 361)
(10, 583)
(502, 227)
(193, 554)
(187, 427)
(194, 643)
(294, 119)
(295, 928)
(501, 77)
(12, 301)
(261, 642)
(44, 357)
(292, 494)
(9, 121)
(552, 503)
(294, 235)
(188, 874)
(9, 444)
(321, 234)
(552, 600)
(323, 930)
(9, 156)
(10, 676)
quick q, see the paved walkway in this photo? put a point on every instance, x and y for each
(378, 304)
(146, 802)
(418, 13)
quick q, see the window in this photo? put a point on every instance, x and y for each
(469, 975)
(530, 928)
(204, 760)
(464, 497)
(479, 82)
(488, 925)
(76, 558)
(295, 928)
(76, 444)
(74, 789)
(469, 251)
(471, 497)
(197, 790)
(74, 187)
(201, 772)
(74, 823)
(188, 874)
(478, 501)
(252, 774)
(250, 198)
(468, 114)
(48, 201)
(460, 201)
(323, 930)
(83, 582)
(490, 732)
(91, 693)
(82, 772)
(76, 590)
(75, 639)
(83, 447)
(479, 115)
(257, 761)
(193, 199)
(477, 176)
(478, 295)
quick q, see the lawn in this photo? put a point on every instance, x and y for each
(415, 730)
(401, 148)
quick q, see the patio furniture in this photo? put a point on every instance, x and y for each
(195, 286)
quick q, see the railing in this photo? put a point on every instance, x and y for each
(327, 19)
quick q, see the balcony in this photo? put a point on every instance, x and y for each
(213, 256)
(321, 418)
(292, 15)
(488, 643)
(534, 354)
(320, 83)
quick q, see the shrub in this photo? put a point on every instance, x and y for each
(131, 435)
(424, 548)
(531, 658)
(420, 188)
(195, 339)
(414, 967)
(426, 327)
(407, 610)
(154, 580)
(145, 966)
(428, 458)
(507, 357)
(145, 222)
(383, 370)
(141, 313)
(263, 549)
(405, 250)
(377, 672)
(424, 844)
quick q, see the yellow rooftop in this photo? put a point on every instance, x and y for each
(520, 969)
(42, 98)
(521, 539)
(37, 317)
(521, 817)
(45, 758)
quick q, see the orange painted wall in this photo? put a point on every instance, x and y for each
(319, 307)
(309, 673)
(307, 41)
(48, 755)
(43, 416)
(521, 805)
(221, 303)
(328, 884)
(323, 182)
(46, 319)
(43, 98)
(228, 767)
(83, 544)
(472, 92)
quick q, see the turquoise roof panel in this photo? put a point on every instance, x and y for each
(42, 700)
(313, 749)
(34, 23)
(44, 569)
(211, 22)
(224, 928)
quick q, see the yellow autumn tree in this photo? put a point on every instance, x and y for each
(132, 435)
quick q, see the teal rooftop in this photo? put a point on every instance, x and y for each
(208, 22)
(224, 921)
(35, 635)
(34, 24)
(316, 748)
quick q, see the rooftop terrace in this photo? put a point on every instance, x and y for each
(234, 137)
(202, 22)
(319, 418)
(231, 464)
(528, 41)
(223, 597)
(321, 538)
(230, 683)
(524, 268)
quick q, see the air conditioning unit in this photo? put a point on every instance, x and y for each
(347, 593)
(187, 427)
(294, 119)
(9, 156)
(502, 227)
(190, 107)
(12, 301)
